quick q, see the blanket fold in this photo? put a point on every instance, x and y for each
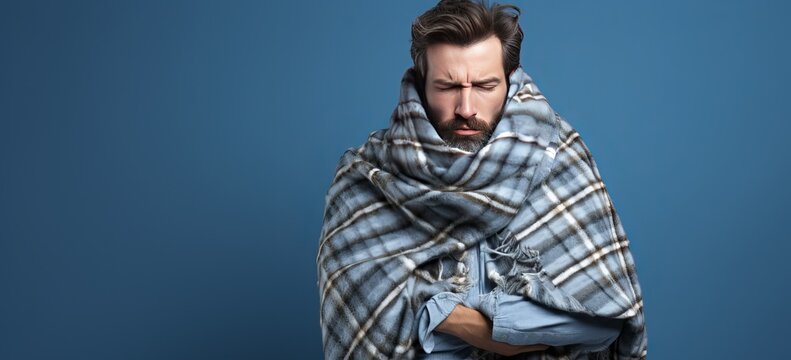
(405, 203)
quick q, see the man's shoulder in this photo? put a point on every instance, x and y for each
(566, 131)
(570, 139)
(572, 149)
(365, 151)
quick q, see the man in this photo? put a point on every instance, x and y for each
(477, 224)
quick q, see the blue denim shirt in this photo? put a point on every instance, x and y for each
(516, 320)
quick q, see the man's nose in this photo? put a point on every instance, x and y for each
(465, 108)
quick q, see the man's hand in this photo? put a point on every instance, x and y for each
(476, 329)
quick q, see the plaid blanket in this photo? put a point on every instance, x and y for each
(404, 203)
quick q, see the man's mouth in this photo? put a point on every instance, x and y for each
(466, 131)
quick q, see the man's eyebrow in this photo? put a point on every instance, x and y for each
(491, 80)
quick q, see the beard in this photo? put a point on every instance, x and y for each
(470, 143)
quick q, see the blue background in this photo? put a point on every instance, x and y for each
(163, 165)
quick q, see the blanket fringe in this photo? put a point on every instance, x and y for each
(528, 278)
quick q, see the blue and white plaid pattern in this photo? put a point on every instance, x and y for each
(404, 202)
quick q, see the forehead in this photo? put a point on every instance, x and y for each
(465, 62)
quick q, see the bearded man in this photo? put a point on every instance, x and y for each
(477, 225)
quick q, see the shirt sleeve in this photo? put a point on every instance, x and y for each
(519, 321)
(430, 315)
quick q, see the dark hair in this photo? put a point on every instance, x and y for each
(464, 22)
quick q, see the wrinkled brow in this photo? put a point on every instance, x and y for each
(490, 80)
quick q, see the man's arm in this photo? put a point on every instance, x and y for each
(463, 326)
(519, 325)
(474, 328)
(500, 320)
(520, 321)
(430, 315)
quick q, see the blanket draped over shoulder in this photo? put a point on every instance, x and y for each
(404, 199)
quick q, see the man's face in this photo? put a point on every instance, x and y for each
(465, 91)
